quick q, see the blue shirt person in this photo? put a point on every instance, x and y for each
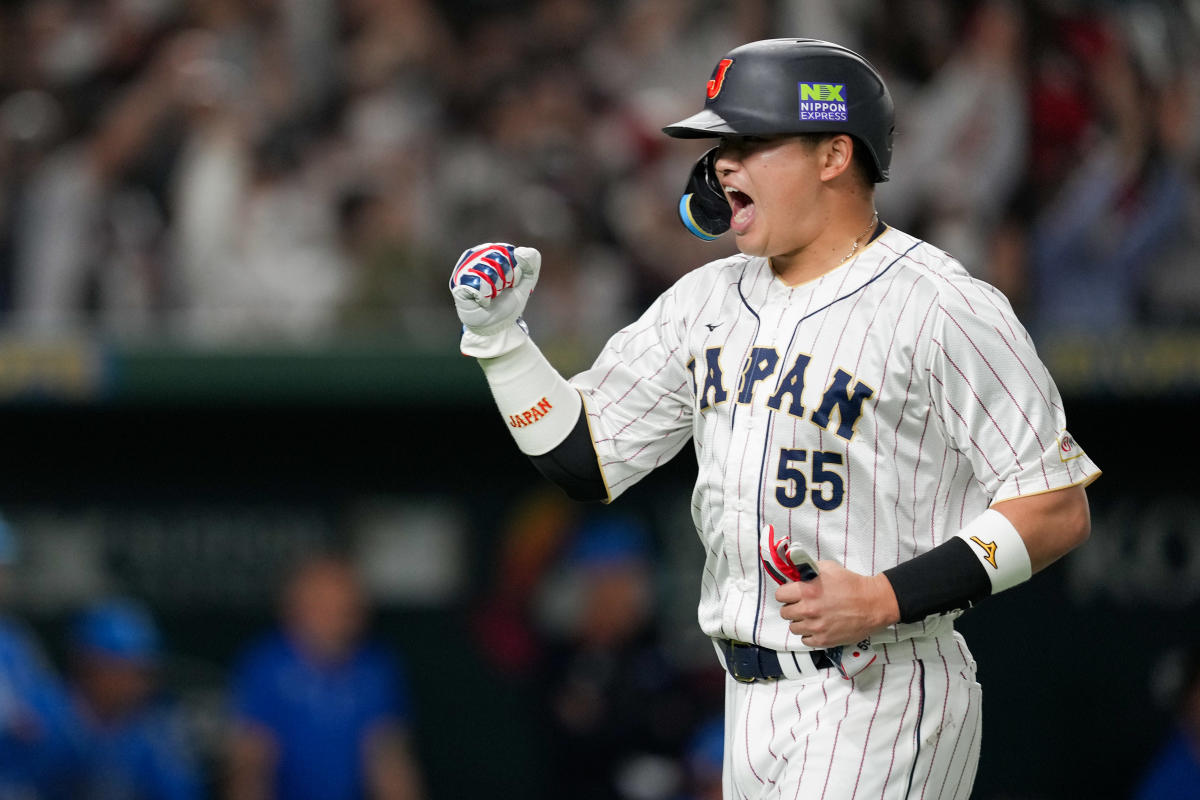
(1174, 772)
(135, 742)
(38, 738)
(321, 713)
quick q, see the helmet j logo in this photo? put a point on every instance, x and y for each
(718, 78)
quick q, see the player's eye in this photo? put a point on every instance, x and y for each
(742, 145)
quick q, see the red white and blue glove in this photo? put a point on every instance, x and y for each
(786, 562)
(491, 284)
(776, 553)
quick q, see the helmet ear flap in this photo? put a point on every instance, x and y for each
(703, 208)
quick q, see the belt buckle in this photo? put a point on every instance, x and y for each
(733, 661)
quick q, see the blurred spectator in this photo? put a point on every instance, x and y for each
(256, 232)
(320, 712)
(961, 139)
(532, 538)
(297, 171)
(1174, 773)
(1125, 204)
(621, 708)
(37, 735)
(135, 743)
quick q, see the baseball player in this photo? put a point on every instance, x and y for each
(879, 446)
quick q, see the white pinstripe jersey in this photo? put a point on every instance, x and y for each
(870, 413)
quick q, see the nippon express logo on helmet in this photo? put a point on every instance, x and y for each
(822, 102)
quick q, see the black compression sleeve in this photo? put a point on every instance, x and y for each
(947, 578)
(573, 464)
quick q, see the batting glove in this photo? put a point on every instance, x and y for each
(491, 284)
(773, 551)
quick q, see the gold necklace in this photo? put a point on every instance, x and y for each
(854, 247)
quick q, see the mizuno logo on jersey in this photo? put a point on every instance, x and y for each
(989, 550)
(839, 398)
(531, 416)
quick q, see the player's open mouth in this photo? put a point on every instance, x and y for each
(742, 207)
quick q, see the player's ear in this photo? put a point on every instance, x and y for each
(837, 154)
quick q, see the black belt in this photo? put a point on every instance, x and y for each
(749, 662)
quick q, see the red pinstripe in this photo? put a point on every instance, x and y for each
(933, 507)
(916, 474)
(971, 762)
(954, 751)
(658, 461)
(940, 278)
(639, 380)
(746, 727)
(1004, 385)
(824, 318)
(912, 371)
(899, 727)
(979, 400)
(771, 716)
(983, 357)
(803, 767)
(746, 446)
(857, 367)
(837, 734)
(887, 357)
(975, 444)
(661, 397)
(941, 723)
(867, 738)
(730, 285)
(1032, 380)
(962, 506)
(991, 298)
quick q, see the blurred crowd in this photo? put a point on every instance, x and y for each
(241, 171)
(314, 710)
(319, 707)
(614, 696)
(298, 169)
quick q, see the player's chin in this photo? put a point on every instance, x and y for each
(750, 244)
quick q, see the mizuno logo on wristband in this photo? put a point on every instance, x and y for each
(989, 548)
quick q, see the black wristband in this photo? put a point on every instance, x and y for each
(947, 578)
(573, 464)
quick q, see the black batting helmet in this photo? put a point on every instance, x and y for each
(781, 86)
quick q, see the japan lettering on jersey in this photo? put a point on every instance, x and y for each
(868, 414)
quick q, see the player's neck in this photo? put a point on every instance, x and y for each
(836, 244)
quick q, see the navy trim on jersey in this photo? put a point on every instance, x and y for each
(762, 470)
(754, 338)
(880, 227)
(732, 418)
(855, 291)
(758, 511)
(917, 731)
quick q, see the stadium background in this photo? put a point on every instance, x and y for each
(224, 234)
